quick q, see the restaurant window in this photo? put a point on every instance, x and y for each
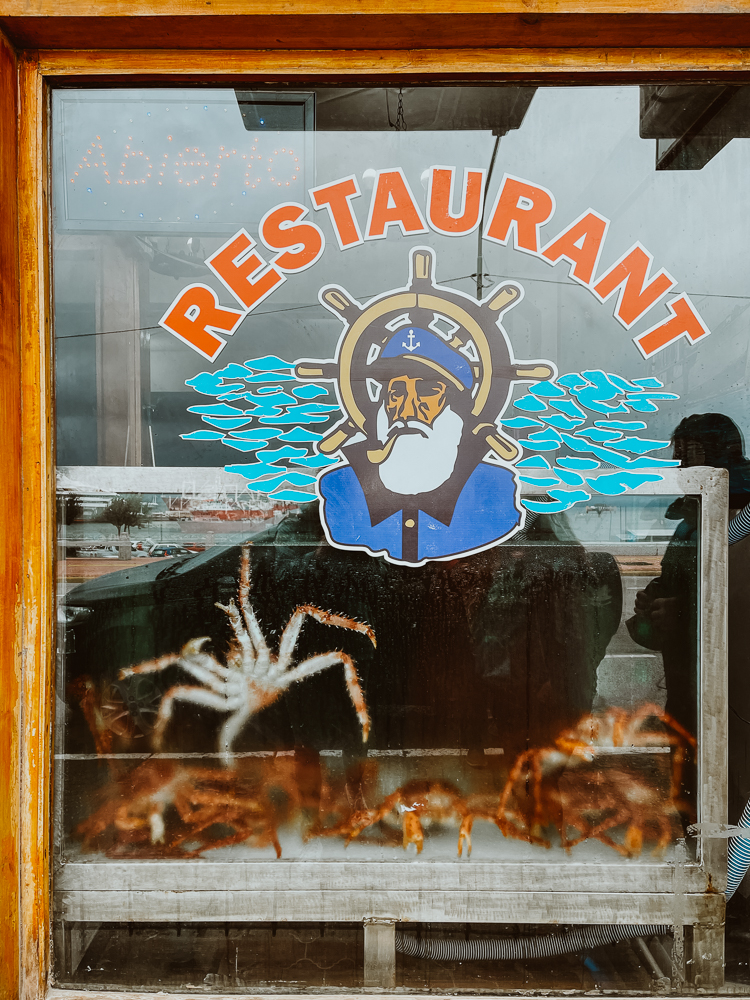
(390, 429)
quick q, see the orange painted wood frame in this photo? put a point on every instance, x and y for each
(26, 532)
(10, 528)
(26, 399)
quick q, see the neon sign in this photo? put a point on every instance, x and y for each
(171, 166)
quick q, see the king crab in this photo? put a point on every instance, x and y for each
(564, 785)
(417, 805)
(155, 809)
(253, 677)
(618, 728)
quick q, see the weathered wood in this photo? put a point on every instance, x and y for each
(38, 531)
(291, 8)
(415, 63)
(382, 29)
(286, 876)
(708, 955)
(73, 994)
(436, 906)
(714, 722)
(380, 953)
(10, 528)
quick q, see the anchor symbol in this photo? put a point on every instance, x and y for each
(411, 346)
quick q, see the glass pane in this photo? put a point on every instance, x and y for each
(368, 550)
(485, 669)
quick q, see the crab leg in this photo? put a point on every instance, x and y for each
(291, 632)
(91, 706)
(289, 637)
(678, 761)
(195, 695)
(678, 741)
(665, 835)
(339, 621)
(317, 663)
(238, 627)
(207, 670)
(599, 830)
(669, 720)
(198, 670)
(254, 629)
(150, 666)
(413, 832)
(191, 658)
(231, 730)
(502, 808)
(464, 834)
(243, 833)
(216, 673)
(536, 769)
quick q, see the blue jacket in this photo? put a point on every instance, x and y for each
(485, 512)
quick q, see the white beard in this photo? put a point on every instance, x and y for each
(420, 462)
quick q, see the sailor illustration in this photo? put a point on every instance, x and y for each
(423, 375)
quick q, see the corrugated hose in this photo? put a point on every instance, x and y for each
(739, 526)
(506, 949)
(738, 855)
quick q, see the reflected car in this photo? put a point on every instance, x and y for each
(170, 549)
(494, 649)
(97, 552)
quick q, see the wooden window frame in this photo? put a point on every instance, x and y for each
(26, 447)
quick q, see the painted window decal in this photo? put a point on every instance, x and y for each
(418, 466)
(520, 210)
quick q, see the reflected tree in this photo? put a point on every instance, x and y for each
(69, 508)
(125, 512)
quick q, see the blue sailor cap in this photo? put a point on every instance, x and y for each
(421, 345)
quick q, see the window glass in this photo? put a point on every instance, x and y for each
(372, 542)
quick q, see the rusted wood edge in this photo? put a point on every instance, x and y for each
(297, 8)
(10, 528)
(74, 994)
(38, 552)
(317, 62)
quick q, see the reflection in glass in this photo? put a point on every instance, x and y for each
(317, 703)
(233, 688)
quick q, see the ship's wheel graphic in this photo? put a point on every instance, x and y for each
(426, 332)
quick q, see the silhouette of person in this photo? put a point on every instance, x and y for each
(666, 612)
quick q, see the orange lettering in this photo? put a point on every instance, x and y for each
(581, 244)
(194, 314)
(683, 321)
(440, 201)
(302, 244)
(393, 204)
(236, 262)
(522, 208)
(337, 198)
(637, 293)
